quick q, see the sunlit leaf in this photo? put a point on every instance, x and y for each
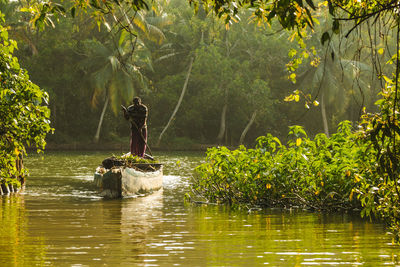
(298, 141)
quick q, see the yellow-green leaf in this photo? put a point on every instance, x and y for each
(387, 79)
(298, 142)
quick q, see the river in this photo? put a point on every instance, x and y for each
(60, 221)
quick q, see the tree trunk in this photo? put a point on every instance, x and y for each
(179, 101)
(223, 132)
(31, 44)
(222, 128)
(323, 113)
(246, 129)
(97, 136)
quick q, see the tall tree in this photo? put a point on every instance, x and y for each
(116, 77)
(178, 104)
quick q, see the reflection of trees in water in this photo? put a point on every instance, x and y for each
(125, 225)
(63, 232)
(17, 248)
(289, 238)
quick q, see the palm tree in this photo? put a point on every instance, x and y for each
(334, 78)
(116, 67)
(179, 101)
(115, 75)
(186, 42)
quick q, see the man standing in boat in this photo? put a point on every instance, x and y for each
(137, 115)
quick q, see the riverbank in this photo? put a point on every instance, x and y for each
(124, 146)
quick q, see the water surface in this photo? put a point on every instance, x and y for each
(60, 221)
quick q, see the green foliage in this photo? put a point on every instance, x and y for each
(24, 121)
(382, 198)
(113, 72)
(132, 159)
(292, 15)
(48, 13)
(319, 174)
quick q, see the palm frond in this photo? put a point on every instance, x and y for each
(102, 77)
(96, 48)
(352, 65)
(140, 22)
(164, 57)
(114, 98)
(127, 90)
(155, 34)
(159, 21)
(115, 64)
(95, 98)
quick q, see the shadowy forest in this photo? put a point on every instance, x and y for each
(205, 82)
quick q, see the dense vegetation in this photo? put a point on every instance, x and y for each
(320, 174)
(24, 120)
(235, 89)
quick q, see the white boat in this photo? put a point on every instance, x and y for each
(121, 181)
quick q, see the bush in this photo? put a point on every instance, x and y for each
(24, 120)
(320, 174)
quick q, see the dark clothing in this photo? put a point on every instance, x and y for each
(138, 146)
(137, 115)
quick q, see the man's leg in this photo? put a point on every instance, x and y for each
(142, 143)
(132, 144)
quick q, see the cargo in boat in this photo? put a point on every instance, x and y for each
(124, 181)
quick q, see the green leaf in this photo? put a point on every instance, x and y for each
(330, 6)
(292, 52)
(73, 9)
(325, 37)
(122, 37)
(298, 141)
(336, 26)
(58, 8)
(311, 4)
(292, 77)
(387, 79)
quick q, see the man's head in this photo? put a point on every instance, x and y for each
(137, 100)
